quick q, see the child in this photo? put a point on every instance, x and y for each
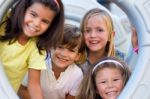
(98, 31)
(133, 52)
(33, 27)
(62, 77)
(134, 40)
(106, 80)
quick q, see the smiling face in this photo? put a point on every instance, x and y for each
(62, 57)
(96, 33)
(37, 20)
(109, 83)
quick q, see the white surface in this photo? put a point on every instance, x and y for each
(138, 86)
(75, 10)
(1, 2)
(6, 91)
(4, 5)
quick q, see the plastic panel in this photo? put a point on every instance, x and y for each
(75, 10)
(138, 87)
(4, 6)
(6, 91)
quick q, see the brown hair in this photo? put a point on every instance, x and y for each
(73, 38)
(88, 85)
(52, 36)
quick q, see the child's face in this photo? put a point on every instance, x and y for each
(109, 83)
(62, 57)
(96, 33)
(37, 19)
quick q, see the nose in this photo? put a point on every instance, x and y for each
(64, 52)
(110, 84)
(93, 34)
(37, 22)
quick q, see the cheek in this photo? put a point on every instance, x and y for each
(73, 57)
(56, 52)
(121, 85)
(45, 27)
(100, 89)
(27, 18)
(104, 36)
(86, 38)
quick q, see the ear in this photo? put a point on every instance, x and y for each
(77, 58)
(114, 33)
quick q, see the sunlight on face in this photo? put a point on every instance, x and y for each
(38, 18)
(109, 83)
(96, 33)
(62, 57)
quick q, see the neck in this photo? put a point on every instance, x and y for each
(57, 71)
(23, 39)
(95, 56)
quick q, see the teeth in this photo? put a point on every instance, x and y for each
(94, 42)
(32, 28)
(111, 93)
(62, 59)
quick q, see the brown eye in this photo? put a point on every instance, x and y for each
(46, 21)
(100, 30)
(33, 14)
(116, 79)
(103, 82)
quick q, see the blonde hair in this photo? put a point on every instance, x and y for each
(110, 50)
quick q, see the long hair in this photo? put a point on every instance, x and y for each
(88, 86)
(87, 89)
(52, 36)
(112, 62)
(110, 50)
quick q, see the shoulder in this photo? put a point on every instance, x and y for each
(120, 55)
(75, 74)
(85, 66)
(32, 42)
(75, 70)
(32, 46)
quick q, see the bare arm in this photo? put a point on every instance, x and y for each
(70, 97)
(23, 92)
(34, 84)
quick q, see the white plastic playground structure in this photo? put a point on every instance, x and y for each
(138, 86)
(6, 91)
(75, 10)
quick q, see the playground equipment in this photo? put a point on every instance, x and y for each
(138, 86)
